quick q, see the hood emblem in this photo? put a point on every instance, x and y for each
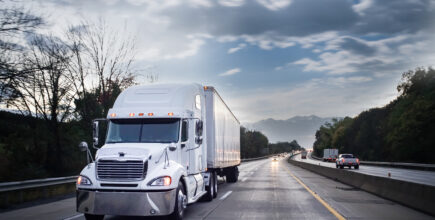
(121, 154)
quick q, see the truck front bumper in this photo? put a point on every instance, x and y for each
(146, 203)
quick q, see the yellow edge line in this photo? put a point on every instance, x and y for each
(327, 206)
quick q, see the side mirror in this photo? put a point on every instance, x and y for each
(83, 146)
(95, 133)
(172, 147)
(199, 128)
(198, 140)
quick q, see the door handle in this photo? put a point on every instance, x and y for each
(183, 145)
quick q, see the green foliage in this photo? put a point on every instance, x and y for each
(282, 147)
(253, 143)
(25, 148)
(401, 131)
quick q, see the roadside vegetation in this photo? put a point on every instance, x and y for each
(403, 130)
(255, 144)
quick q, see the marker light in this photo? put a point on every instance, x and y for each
(205, 87)
(171, 114)
(150, 114)
(131, 114)
(113, 115)
(141, 114)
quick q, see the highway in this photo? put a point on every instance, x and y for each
(266, 190)
(417, 176)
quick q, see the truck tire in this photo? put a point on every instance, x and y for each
(341, 166)
(210, 189)
(94, 217)
(232, 174)
(356, 167)
(180, 203)
(215, 186)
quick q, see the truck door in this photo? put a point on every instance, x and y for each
(191, 143)
(196, 149)
(185, 144)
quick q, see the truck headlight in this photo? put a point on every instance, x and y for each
(83, 181)
(161, 181)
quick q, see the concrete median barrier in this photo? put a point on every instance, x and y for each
(414, 195)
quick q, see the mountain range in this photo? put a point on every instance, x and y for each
(299, 128)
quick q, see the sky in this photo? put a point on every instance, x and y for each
(271, 58)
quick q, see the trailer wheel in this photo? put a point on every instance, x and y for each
(232, 174)
(94, 217)
(180, 203)
(210, 188)
(215, 185)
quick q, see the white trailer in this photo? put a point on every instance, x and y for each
(330, 155)
(164, 148)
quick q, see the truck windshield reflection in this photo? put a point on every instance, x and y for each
(149, 130)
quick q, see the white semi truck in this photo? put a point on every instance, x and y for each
(164, 148)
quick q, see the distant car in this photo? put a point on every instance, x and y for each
(347, 160)
(275, 158)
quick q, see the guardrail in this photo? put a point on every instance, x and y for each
(414, 166)
(415, 195)
(12, 193)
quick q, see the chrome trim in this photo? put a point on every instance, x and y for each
(120, 170)
(126, 203)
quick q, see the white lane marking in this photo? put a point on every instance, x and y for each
(244, 179)
(225, 195)
(73, 217)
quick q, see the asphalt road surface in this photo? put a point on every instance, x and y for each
(266, 189)
(417, 176)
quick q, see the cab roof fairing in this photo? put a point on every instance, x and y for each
(159, 99)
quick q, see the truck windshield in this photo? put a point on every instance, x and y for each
(150, 130)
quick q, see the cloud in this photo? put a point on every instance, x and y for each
(275, 5)
(347, 54)
(235, 49)
(231, 72)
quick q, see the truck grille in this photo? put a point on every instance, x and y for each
(121, 170)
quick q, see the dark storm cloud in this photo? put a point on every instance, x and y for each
(397, 16)
(356, 46)
(303, 17)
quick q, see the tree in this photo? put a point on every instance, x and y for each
(15, 21)
(45, 92)
(104, 55)
(252, 143)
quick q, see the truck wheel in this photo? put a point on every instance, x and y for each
(180, 203)
(336, 165)
(232, 174)
(210, 189)
(356, 167)
(215, 186)
(94, 217)
(341, 167)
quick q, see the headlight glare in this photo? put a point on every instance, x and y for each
(83, 181)
(161, 181)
